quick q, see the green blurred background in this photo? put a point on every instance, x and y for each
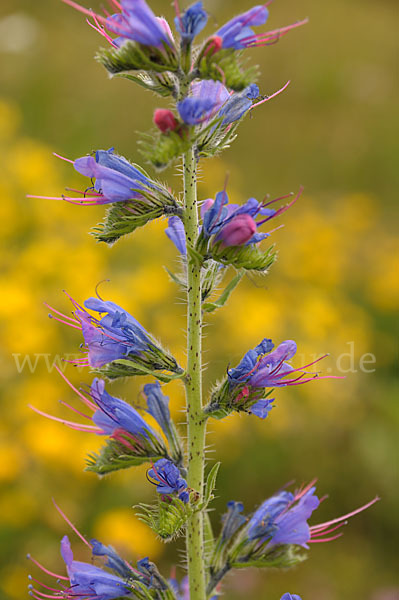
(334, 288)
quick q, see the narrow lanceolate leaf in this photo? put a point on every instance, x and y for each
(210, 484)
(225, 295)
(113, 456)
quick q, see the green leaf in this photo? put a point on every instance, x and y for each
(179, 281)
(210, 484)
(221, 301)
(195, 256)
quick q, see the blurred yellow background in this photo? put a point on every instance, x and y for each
(334, 289)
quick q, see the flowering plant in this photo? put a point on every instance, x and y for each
(211, 91)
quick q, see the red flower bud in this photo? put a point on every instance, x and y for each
(213, 45)
(165, 120)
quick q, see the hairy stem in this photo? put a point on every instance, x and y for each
(195, 419)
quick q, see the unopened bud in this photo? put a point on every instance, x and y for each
(213, 45)
(238, 231)
(165, 120)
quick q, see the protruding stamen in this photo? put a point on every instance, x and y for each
(272, 96)
(323, 526)
(71, 525)
(36, 562)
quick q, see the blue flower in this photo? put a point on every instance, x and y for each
(115, 416)
(237, 32)
(175, 232)
(238, 104)
(116, 180)
(282, 519)
(206, 98)
(236, 225)
(192, 22)
(261, 524)
(292, 526)
(166, 476)
(288, 596)
(88, 581)
(232, 520)
(114, 562)
(262, 407)
(241, 373)
(261, 368)
(137, 22)
(210, 99)
(114, 336)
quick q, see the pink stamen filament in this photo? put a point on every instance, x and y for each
(63, 157)
(257, 39)
(322, 526)
(265, 204)
(85, 400)
(78, 412)
(43, 584)
(71, 525)
(65, 322)
(71, 424)
(326, 531)
(329, 539)
(270, 97)
(85, 11)
(42, 568)
(60, 313)
(97, 27)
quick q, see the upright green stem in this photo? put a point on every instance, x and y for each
(196, 423)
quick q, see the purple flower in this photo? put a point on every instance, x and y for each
(234, 224)
(238, 34)
(175, 232)
(262, 407)
(261, 368)
(115, 417)
(192, 22)
(241, 372)
(116, 336)
(210, 99)
(288, 596)
(135, 22)
(116, 180)
(88, 581)
(158, 408)
(114, 561)
(232, 520)
(282, 519)
(166, 476)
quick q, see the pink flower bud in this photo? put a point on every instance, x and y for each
(238, 231)
(213, 45)
(165, 120)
